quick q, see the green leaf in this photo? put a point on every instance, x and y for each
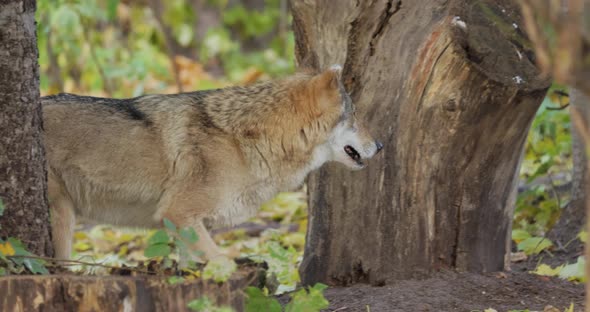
(520, 235)
(175, 279)
(65, 18)
(534, 245)
(36, 266)
(574, 271)
(308, 301)
(159, 237)
(1, 207)
(19, 248)
(157, 250)
(112, 9)
(189, 235)
(258, 301)
(169, 225)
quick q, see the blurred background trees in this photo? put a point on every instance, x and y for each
(124, 48)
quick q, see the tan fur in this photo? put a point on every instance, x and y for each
(214, 155)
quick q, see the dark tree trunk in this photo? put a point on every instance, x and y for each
(23, 186)
(451, 90)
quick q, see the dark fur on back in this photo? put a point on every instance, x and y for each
(127, 107)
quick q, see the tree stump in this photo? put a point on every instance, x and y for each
(63, 293)
(450, 88)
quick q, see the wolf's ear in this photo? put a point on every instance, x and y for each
(330, 77)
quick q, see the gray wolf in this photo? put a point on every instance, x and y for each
(213, 155)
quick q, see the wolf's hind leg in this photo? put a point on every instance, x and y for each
(63, 221)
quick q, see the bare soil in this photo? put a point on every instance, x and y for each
(450, 291)
(453, 291)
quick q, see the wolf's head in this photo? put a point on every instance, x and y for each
(348, 142)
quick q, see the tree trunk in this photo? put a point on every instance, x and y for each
(450, 88)
(23, 175)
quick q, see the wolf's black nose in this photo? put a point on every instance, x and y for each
(379, 146)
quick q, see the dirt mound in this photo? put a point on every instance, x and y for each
(449, 291)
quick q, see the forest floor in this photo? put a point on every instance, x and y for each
(516, 290)
(284, 221)
(450, 291)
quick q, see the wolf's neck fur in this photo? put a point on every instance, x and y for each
(277, 126)
(248, 110)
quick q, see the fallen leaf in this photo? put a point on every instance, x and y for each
(546, 270)
(550, 308)
(6, 249)
(518, 256)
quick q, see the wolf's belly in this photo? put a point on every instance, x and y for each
(107, 204)
(140, 215)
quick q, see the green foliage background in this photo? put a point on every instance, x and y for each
(119, 47)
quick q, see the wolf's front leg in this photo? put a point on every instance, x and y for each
(205, 244)
(185, 204)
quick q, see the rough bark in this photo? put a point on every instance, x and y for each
(85, 293)
(23, 174)
(450, 87)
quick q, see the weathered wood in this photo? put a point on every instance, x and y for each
(62, 293)
(451, 88)
(23, 174)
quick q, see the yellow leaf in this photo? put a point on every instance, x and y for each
(80, 235)
(582, 236)
(570, 309)
(490, 310)
(6, 249)
(193, 274)
(123, 251)
(82, 246)
(546, 270)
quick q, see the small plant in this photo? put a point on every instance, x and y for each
(282, 263)
(161, 244)
(14, 257)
